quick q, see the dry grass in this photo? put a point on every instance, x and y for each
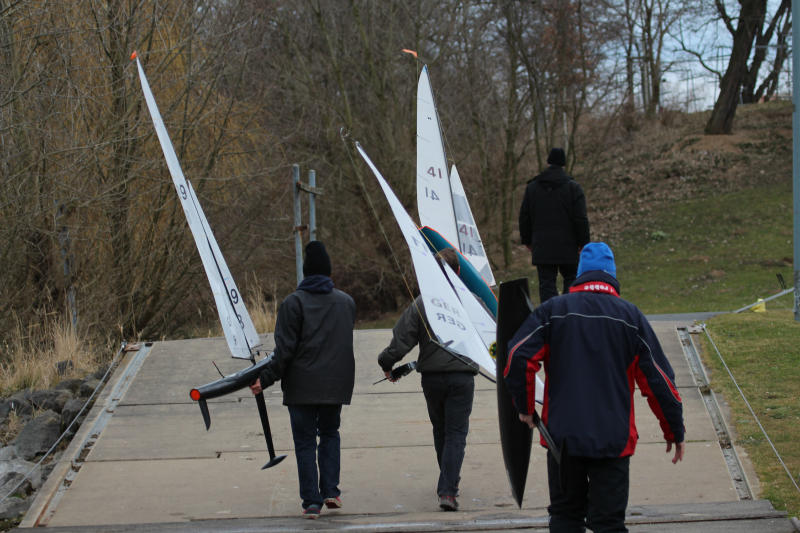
(11, 427)
(264, 312)
(29, 357)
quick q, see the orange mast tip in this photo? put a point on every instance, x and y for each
(134, 55)
(412, 52)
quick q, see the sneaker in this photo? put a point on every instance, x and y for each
(448, 503)
(312, 512)
(333, 503)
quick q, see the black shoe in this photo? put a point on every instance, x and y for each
(448, 503)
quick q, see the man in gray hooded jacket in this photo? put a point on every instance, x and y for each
(448, 384)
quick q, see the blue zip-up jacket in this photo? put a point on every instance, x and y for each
(594, 346)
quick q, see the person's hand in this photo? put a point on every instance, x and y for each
(528, 246)
(388, 374)
(680, 447)
(527, 419)
(256, 387)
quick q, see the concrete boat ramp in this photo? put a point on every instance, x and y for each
(143, 460)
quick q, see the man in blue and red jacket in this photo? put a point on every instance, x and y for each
(594, 346)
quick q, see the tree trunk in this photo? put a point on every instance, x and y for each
(750, 19)
(769, 86)
(749, 92)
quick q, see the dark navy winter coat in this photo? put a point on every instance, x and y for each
(314, 345)
(594, 346)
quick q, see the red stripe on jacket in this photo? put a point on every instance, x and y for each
(647, 392)
(633, 435)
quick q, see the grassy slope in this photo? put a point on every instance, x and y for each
(711, 232)
(762, 352)
(713, 254)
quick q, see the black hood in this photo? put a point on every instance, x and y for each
(552, 177)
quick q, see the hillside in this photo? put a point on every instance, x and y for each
(673, 161)
(709, 218)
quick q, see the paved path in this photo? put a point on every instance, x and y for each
(143, 460)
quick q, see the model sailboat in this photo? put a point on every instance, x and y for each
(444, 212)
(439, 289)
(446, 218)
(240, 333)
(447, 221)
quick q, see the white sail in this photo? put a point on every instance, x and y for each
(469, 240)
(481, 318)
(434, 199)
(441, 200)
(239, 330)
(446, 315)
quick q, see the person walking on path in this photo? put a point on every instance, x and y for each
(553, 224)
(314, 360)
(448, 384)
(594, 345)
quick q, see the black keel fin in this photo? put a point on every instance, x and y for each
(206, 414)
(262, 413)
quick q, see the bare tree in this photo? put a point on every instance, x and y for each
(89, 208)
(247, 88)
(748, 23)
(643, 29)
(780, 21)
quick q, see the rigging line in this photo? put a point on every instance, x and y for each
(462, 358)
(343, 135)
(778, 455)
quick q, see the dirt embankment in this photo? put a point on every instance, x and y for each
(673, 160)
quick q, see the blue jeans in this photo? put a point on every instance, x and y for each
(589, 493)
(308, 422)
(449, 397)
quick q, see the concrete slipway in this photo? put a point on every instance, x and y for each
(143, 460)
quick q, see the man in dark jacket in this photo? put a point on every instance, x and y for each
(448, 384)
(314, 360)
(594, 345)
(553, 224)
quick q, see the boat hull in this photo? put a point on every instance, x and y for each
(515, 436)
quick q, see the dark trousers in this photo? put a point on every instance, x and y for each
(449, 398)
(308, 422)
(547, 279)
(591, 493)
